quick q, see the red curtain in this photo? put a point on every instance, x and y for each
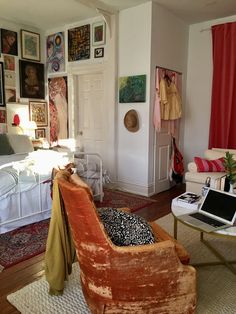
(223, 102)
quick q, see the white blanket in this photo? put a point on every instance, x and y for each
(8, 180)
(23, 175)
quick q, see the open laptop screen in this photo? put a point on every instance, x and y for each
(220, 204)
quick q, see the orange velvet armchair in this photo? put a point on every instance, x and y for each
(133, 279)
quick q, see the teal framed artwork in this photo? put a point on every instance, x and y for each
(132, 89)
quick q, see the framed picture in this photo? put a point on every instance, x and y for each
(3, 114)
(38, 111)
(40, 133)
(132, 89)
(58, 108)
(9, 42)
(79, 43)
(30, 45)
(9, 63)
(99, 33)
(56, 53)
(2, 94)
(98, 52)
(10, 95)
(31, 79)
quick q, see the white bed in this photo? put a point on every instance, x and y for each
(25, 188)
(25, 194)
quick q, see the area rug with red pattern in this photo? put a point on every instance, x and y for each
(25, 242)
(116, 199)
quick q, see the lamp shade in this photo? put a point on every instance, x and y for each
(16, 119)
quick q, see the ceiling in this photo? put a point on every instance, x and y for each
(47, 14)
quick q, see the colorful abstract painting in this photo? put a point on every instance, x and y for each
(132, 89)
(56, 53)
(79, 43)
(58, 108)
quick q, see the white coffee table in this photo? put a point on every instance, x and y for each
(228, 232)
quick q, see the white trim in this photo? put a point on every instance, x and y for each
(136, 188)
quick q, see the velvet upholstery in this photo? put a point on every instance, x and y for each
(134, 279)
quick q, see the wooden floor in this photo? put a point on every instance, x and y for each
(18, 276)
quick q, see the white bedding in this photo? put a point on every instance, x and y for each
(25, 188)
(8, 180)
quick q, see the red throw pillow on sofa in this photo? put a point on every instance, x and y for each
(204, 165)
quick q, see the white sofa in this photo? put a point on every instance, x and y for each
(195, 180)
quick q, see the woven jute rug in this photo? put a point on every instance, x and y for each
(216, 285)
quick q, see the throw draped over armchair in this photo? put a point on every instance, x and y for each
(133, 279)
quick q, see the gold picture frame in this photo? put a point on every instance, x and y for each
(38, 111)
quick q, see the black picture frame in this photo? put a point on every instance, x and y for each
(99, 53)
(40, 133)
(9, 43)
(30, 45)
(2, 90)
(79, 43)
(32, 84)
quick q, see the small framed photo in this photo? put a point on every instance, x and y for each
(38, 111)
(2, 92)
(98, 52)
(3, 115)
(99, 33)
(40, 133)
(30, 45)
(9, 63)
(9, 42)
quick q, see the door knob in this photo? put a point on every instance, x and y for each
(80, 132)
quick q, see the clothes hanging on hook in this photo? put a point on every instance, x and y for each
(170, 101)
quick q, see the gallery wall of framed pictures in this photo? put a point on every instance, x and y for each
(24, 71)
(21, 73)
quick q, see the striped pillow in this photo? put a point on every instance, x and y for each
(204, 165)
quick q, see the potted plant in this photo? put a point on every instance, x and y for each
(230, 168)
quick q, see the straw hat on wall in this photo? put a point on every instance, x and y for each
(131, 121)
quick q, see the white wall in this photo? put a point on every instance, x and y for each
(134, 59)
(169, 50)
(149, 36)
(105, 65)
(199, 82)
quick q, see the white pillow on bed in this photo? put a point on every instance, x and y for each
(20, 143)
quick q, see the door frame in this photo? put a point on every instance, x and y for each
(74, 72)
(73, 76)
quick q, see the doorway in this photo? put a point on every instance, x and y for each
(90, 112)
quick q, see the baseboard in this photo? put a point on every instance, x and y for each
(135, 188)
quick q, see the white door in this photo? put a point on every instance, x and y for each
(90, 113)
(162, 161)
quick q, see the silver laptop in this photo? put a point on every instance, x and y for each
(217, 211)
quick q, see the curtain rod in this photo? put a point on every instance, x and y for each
(168, 69)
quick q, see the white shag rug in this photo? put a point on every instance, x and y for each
(216, 285)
